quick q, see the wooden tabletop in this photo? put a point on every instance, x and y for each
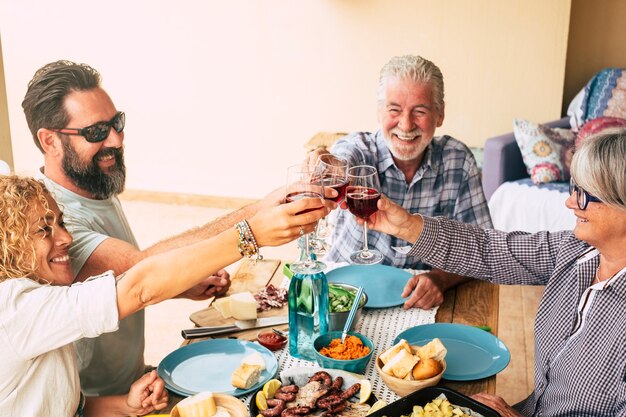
(474, 303)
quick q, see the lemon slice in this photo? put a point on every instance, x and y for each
(366, 391)
(270, 387)
(377, 406)
(261, 401)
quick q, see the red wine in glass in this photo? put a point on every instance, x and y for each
(339, 185)
(362, 196)
(362, 201)
(299, 195)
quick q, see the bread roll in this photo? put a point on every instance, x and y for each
(400, 364)
(392, 351)
(245, 376)
(426, 368)
(433, 349)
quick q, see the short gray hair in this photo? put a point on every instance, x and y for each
(598, 167)
(415, 68)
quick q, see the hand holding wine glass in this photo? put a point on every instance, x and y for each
(302, 183)
(362, 195)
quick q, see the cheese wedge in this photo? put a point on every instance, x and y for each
(245, 376)
(392, 351)
(433, 349)
(199, 405)
(254, 359)
(243, 306)
(401, 364)
(223, 306)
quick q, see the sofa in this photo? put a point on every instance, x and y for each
(515, 202)
(518, 203)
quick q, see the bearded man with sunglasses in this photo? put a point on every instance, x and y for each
(76, 126)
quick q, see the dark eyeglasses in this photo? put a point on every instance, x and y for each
(99, 131)
(582, 197)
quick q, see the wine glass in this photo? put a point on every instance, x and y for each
(302, 183)
(333, 171)
(362, 195)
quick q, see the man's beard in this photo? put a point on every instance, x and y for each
(409, 150)
(89, 177)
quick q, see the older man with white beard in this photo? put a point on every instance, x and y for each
(426, 175)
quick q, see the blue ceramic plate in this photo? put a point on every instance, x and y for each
(383, 284)
(472, 353)
(208, 365)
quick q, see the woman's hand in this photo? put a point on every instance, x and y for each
(147, 394)
(394, 220)
(275, 226)
(497, 403)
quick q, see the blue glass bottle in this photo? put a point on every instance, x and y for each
(308, 312)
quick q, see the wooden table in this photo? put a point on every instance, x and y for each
(474, 303)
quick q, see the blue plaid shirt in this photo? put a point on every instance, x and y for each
(446, 184)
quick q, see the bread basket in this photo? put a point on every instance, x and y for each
(404, 387)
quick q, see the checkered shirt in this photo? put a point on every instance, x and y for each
(446, 184)
(580, 328)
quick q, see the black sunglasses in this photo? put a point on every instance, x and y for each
(99, 131)
(582, 197)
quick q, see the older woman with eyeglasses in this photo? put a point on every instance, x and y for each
(580, 329)
(42, 312)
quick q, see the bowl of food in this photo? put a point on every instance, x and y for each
(340, 300)
(406, 369)
(353, 355)
(271, 339)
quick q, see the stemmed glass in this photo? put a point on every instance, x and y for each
(362, 195)
(302, 183)
(333, 171)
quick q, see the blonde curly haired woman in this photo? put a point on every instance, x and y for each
(42, 312)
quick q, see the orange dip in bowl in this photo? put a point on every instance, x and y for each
(352, 348)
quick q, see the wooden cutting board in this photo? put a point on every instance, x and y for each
(251, 277)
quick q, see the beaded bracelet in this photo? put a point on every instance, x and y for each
(247, 243)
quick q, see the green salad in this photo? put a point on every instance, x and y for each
(340, 300)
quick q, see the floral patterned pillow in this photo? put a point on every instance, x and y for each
(546, 151)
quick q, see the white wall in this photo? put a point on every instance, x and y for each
(221, 96)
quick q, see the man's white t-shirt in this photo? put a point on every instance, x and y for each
(110, 363)
(38, 323)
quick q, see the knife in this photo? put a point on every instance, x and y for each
(236, 327)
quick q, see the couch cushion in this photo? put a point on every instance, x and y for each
(597, 125)
(605, 95)
(546, 151)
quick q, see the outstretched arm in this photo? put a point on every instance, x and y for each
(150, 281)
(119, 256)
